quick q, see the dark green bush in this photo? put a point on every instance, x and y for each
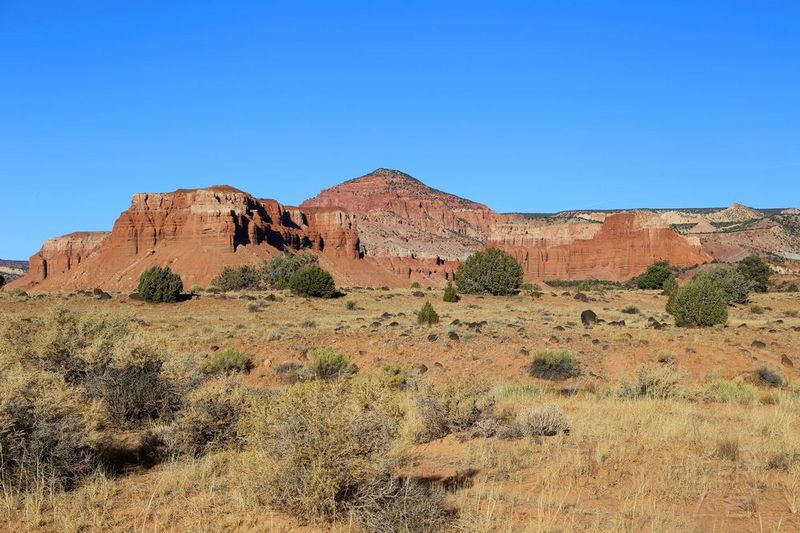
(416, 285)
(450, 294)
(427, 315)
(733, 283)
(757, 271)
(491, 271)
(237, 278)
(2, 280)
(157, 284)
(655, 276)
(555, 365)
(312, 281)
(670, 285)
(700, 303)
(277, 271)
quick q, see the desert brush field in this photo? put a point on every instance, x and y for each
(264, 411)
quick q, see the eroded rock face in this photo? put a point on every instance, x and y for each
(61, 254)
(384, 228)
(399, 216)
(620, 247)
(195, 232)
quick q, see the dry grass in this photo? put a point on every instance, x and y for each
(667, 461)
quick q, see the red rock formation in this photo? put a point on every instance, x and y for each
(196, 232)
(61, 254)
(385, 228)
(399, 216)
(623, 246)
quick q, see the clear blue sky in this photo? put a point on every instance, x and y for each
(525, 106)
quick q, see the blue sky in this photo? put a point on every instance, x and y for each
(525, 106)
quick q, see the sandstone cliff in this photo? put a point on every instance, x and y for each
(384, 228)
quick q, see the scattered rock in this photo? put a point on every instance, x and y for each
(787, 361)
(433, 337)
(581, 297)
(453, 336)
(588, 318)
(758, 344)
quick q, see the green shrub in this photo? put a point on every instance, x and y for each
(700, 303)
(757, 271)
(157, 284)
(312, 281)
(2, 280)
(655, 276)
(531, 289)
(416, 285)
(327, 363)
(670, 285)
(350, 305)
(658, 383)
(491, 271)
(450, 294)
(427, 315)
(630, 310)
(555, 365)
(227, 361)
(731, 391)
(277, 271)
(733, 284)
(236, 278)
(756, 309)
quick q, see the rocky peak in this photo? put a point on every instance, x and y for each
(735, 213)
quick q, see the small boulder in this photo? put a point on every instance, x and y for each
(581, 297)
(787, 361)
(588, 318)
